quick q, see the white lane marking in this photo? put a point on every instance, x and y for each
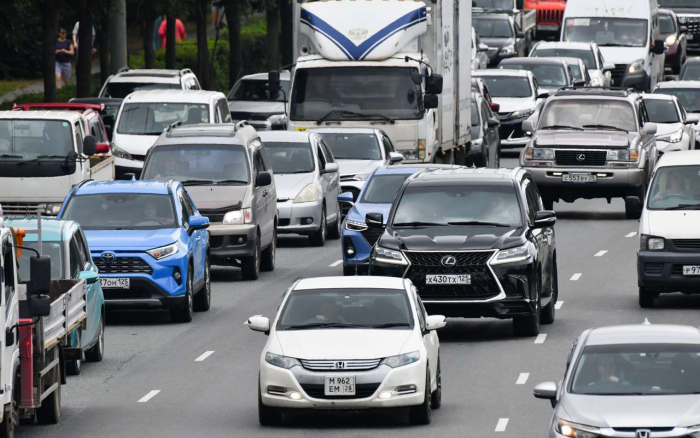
(149, 396)
(501, 425)
(522, 378)
(631, 234)
(540, 338)
(601, 253)
(558, 305)
(334, 264)
(204, 356)
(575, 277)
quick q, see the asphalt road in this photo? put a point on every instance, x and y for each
(151, 383)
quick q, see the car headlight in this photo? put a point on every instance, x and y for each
(508, 50)
(355, 226)
(281, 361)
(120, 153)
(671, 40)
(402, 359)
(163, 251)
(238, 217)
(477, 144)
(539, 154)
(512, 255)
(51, 209)
(307, 194)
(569, 429)
(636, 66)
(622, 155)
(389, 256)
(523, 113)
(651, 243)
(673, 137)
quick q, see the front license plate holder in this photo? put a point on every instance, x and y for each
(339, 386)
(448, 280)
(115, 283)
(691, 270)
(579, 178)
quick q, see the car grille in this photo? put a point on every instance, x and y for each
(349, 365)
(362, 390)
(216, 216)
(123, 265)
(216, 241)
(484, 284)
(580, 158)
(243, 115)
(545, 16)
(371, 235)
(677, 270)
(693, 25)
(653, 268)
(618, 73)
(20, 208)
(686, 244)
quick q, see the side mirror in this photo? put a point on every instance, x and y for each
(258, 323)
(89, 145)
(669, 78)
(633, 203)
(330, 168)
(545, 218)
(434, 85)
(493, 123)
(495, 107)
(649, 128)
(273, 79)
(263, 179)
(39, 305)
(374, 220)
(546, 391)
(395, 157)
(579, 83)
(542, 93)
(483, 47)
(430, 101)
(346, 198)
(692, 119)
(659, 47)
(608, 66)
(519, 34)
(102, 148)
(90, 277)
(198, 223)
(40, 275)
(434, 322)
(528, 126)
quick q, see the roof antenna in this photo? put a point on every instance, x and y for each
(646, 322)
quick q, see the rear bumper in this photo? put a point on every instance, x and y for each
(143, 294)
(617, 183)
(662, 271)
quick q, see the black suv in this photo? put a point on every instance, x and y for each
(475, 242)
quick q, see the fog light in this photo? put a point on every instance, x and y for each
(295, 396)
(239, 240)
(384, 395)
(177, 276)
(308, 221)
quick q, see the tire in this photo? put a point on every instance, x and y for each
(50, 410)
(548, 313)
(646, 298)
(11, 417)
(185, 312)
(250, 266)
(436, 396)
(267, 416)
(633, 214)
(267, 263)
(527, 326)
(422, 414)
(319, 237)
(548, 203)
(349, 271)
(73, 367)
(202, 301)
(335, 231)
(97, 351)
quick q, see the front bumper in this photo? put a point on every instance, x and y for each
(369, 385)
(228, 242)
(362, 246)
(611, 182)
(304, 218)
(662, 271)
(123, 166)
(511, 132)
(640, 81)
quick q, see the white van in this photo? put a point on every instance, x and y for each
(627, 32)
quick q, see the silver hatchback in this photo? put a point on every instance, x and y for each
(636, 381)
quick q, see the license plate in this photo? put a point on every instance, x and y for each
(579, 178)
(547, 27)
(115, 283)
(691, 270)
(448, 279)
(340, 386)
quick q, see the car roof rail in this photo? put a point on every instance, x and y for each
(242, 124)
(492, 11)
(123, 69)
(185, 71)
(170, 186)
(173, 126)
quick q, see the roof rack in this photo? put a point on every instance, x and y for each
(173, 126)
(494, 11)
(123, 69)
(185, 71)
(602, 91)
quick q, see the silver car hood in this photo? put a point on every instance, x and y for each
(288, 186)
(352, 167)
(664, 411)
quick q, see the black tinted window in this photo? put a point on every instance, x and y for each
(121, 211)
(287, 157)
(123, 89)
(507, 86)
(585, 55)
(186, 163)
(353, 146)
(489, 28)
(662, 111)
(382, 189)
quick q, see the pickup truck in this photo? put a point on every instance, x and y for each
(42, 155)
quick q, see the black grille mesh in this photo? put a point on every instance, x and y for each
(653, 268)
(123, 265)
(571, 158)
(687, 244)
(371, 235)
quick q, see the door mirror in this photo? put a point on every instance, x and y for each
(346, 198)
(259, 323)
(495, 107)
(198, 223)
(545, 219)
(434, 85)
(528, 127)
(542, 93)
(434, 322)
(416, 77)
(39, 305)
(263, 179)
(89, 145)
(608, 66)
(669, 78)
(519, 34)
(579, 83)
(493, 123)
(102, 148)
(483, 47)
(395, 157)
(659, 47)
(273, 79)
(40, 275)
(649, 128)
(430, 101)
(546, 391)
(330, 168)
(90, 277)
(692, 119)
(374, 220)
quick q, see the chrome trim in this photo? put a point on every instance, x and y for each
(332, 364)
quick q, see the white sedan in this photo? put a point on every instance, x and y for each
(675, 128)
(349, 343)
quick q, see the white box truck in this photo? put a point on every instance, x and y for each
(403, 67)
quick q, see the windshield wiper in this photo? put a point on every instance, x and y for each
(123, 228)
(389, 325)
(354, 114)
(39, 158)
(685, 207)
(418, 224)
(489, 224)
(322, 325)
(617, 45)
(211, 182)
(10, 156)
(609, 127)
(557, 127)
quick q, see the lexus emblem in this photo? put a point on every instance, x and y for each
(448, 261)
(643, 433)
(581, 157)
(340, 365)
(108, 257)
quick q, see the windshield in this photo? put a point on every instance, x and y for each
(508, 86)
(190, 163)
(585, 55)
(287, 157)
(546, 75)
(382, 189)
(670, 4)
(689, 98)
(607, 31)
(51, 249)
(352, 308)
(154, 118)
(691, 72)
(123, 89)
(638, 369)
(121, 211)
(29, 139)
(674, 188)
(667, 24)
(369, 91)
(493, 4)
(256, 90)
(493, 28)
(353, 146)
(662, 111)
(582, 113)
(459, 204)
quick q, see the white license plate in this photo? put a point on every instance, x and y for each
(579, 178)
(691, 270)
(340, 386)
(115, 283)
(448, 279)
(547, 27)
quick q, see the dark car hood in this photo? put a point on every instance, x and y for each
(452, 238)
(498, 43)
(602, 139)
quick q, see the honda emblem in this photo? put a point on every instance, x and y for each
(643, 433)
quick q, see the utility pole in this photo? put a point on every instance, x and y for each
(117, 36)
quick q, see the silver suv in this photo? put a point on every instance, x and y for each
(591, 143)
(126, 81)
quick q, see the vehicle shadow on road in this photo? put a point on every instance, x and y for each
(138, 317)
(477, 330)
(676, 301)
(388, 419)
(292, 241)
(590, 215)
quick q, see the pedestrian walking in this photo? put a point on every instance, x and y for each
(180, 33)
(76, 29)
(64, 53)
